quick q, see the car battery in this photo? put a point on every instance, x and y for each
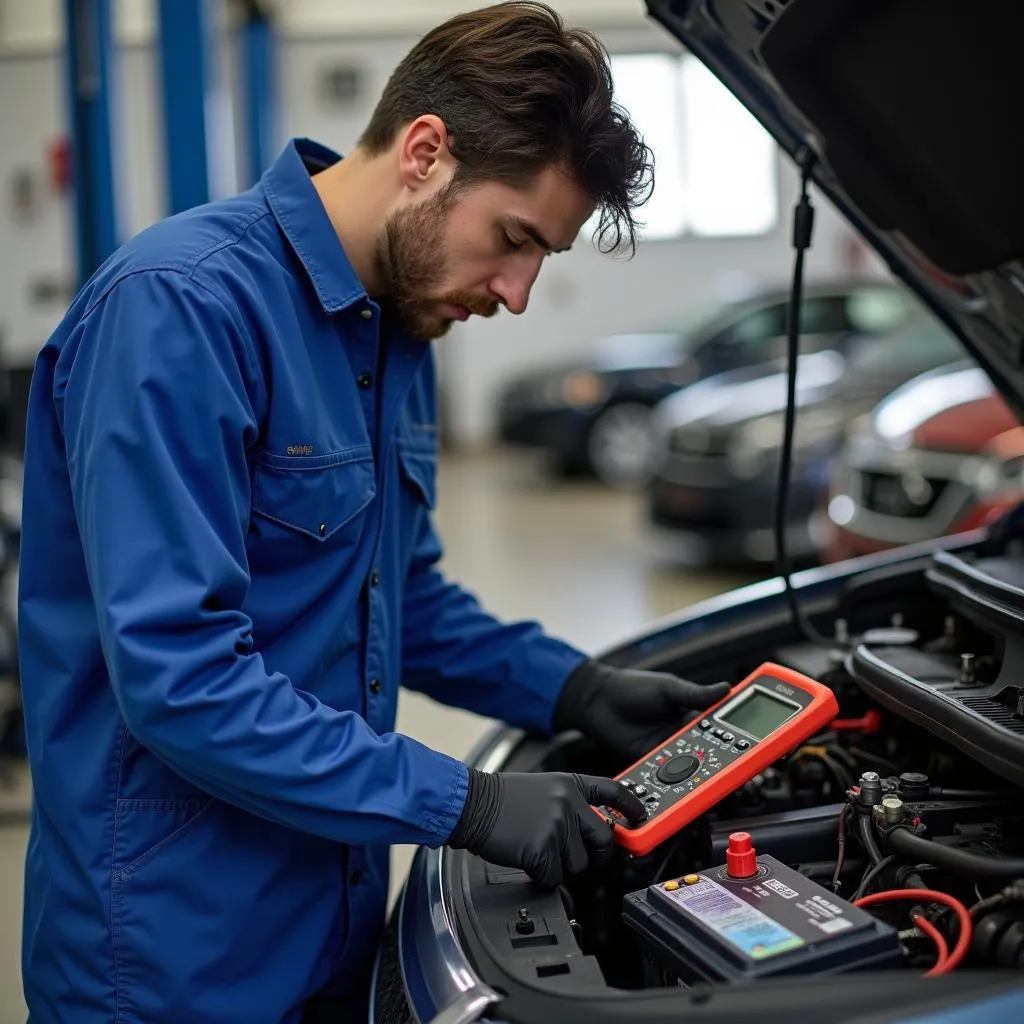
(754, 918)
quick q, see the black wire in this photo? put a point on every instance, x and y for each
(1011, 894)
(837, 773)
(844, 757)
(803, 229)
(866, 833)
(870, 875)
(867, 755)
(673, 849)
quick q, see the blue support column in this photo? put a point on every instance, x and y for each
(187, 79)
(90, 75)
(259, 92)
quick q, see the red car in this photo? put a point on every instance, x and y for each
(940, 455)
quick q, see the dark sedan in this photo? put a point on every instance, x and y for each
(712, 497)
(595, 417)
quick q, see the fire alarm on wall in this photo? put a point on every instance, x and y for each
(341, 84)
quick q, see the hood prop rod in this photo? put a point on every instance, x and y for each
(803, 230)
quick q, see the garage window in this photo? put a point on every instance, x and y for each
(715, 166)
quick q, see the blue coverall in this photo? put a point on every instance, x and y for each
(228, 569)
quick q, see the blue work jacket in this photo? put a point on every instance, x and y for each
(228, 569)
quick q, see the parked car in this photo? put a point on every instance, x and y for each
(942, 454)
(594, 416)
(711, 498)
(929, 709)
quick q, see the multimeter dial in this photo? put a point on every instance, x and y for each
(767, 715)
(677, 769)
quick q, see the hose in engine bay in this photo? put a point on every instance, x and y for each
(915, 847)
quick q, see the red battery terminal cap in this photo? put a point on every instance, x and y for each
(740, 856)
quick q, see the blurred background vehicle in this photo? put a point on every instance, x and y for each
(712, 496)
(594, 417)
(940, 455)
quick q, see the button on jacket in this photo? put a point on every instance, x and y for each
(228, 569)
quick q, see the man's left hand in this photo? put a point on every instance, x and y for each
(629, 710)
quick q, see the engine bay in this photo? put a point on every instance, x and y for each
(909, 804)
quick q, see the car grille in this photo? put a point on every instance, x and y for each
(907, 495)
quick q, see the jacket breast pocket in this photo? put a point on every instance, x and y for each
(315, 496)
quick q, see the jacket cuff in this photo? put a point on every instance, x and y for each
(441, 826)
(548, 666)
(576, 694)
(483, 801)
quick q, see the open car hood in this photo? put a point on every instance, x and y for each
(906, 109)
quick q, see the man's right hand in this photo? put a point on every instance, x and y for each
(541, 823)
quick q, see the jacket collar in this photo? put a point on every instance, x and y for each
(296, 204)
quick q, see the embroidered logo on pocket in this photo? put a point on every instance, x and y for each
(300, 449)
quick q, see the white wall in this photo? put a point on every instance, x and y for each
(32, 25)
(579, 296)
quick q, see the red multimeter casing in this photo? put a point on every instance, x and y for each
(760, 720)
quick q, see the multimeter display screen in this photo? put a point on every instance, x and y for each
(758, 714)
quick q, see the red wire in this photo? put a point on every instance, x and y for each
(941, 964)
(963, 942)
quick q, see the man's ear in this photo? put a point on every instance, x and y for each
(424, 156)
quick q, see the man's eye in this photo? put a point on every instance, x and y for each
(510, 243)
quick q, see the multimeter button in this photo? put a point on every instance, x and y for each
(705, 723)
(718, 732)
(679, 769)
(640, 790)
(742, 744)
(728, 737)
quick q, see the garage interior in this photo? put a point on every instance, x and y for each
(93, 153)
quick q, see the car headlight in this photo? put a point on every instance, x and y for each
(582, 390)
(757, 441)
(761, 435)
(693, 438)
(814, 428)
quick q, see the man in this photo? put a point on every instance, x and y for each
(228, 563)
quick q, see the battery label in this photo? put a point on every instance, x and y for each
(745, 927)
(824, 914)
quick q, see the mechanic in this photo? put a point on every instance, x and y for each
(228, 564)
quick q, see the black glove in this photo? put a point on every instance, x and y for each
(542, 823)
(628, 710)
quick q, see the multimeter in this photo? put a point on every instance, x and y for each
(760, 719)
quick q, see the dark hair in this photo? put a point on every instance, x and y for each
(518, 92)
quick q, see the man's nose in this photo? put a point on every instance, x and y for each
(512, 290)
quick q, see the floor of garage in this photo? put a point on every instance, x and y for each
(573, 556)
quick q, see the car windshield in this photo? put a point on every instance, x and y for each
(920, 346)
(697, 321)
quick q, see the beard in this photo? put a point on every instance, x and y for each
(412, 266)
